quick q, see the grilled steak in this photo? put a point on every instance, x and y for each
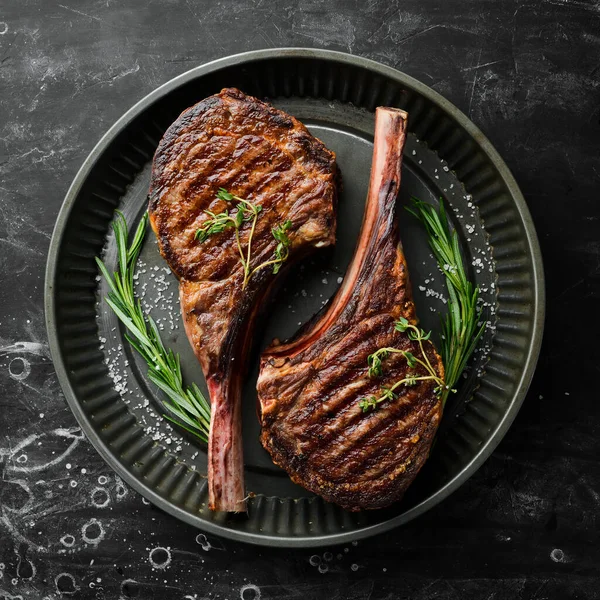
(310, 388)
(263, 155)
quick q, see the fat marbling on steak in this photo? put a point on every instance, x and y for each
(310, 388)
(234, 141)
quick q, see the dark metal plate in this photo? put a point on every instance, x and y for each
(334, 95)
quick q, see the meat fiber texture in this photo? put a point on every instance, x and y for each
(234, 141)
(310, 388)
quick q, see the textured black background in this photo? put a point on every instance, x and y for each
(526, 525)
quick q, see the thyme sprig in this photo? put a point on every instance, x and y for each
(282, 250)
(243, 212)
(187, 406)
(375, 362)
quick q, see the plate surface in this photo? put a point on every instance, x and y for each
(335, 96)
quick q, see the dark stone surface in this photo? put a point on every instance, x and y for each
(526, 525)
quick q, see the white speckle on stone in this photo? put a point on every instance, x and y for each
(160, 557)
(557, 555)
(254, 592)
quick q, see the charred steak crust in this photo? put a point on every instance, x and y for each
(309, 389)
(238, 142)
(259, 153)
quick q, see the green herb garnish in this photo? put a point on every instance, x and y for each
(375, 362)
(245, 211)
(462, 326)
(282, 249)
(188, 407)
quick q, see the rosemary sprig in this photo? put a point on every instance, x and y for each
(376, 367)
(462, 326)
(245, 211)
(187, 406)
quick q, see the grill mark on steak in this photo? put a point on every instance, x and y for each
(309, 388)
(362, 432)
(259, 153)
(328, 391)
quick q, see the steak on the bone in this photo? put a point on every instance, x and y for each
(310, 388)
(259, 153)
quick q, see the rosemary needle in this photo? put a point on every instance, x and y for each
(187, 406)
